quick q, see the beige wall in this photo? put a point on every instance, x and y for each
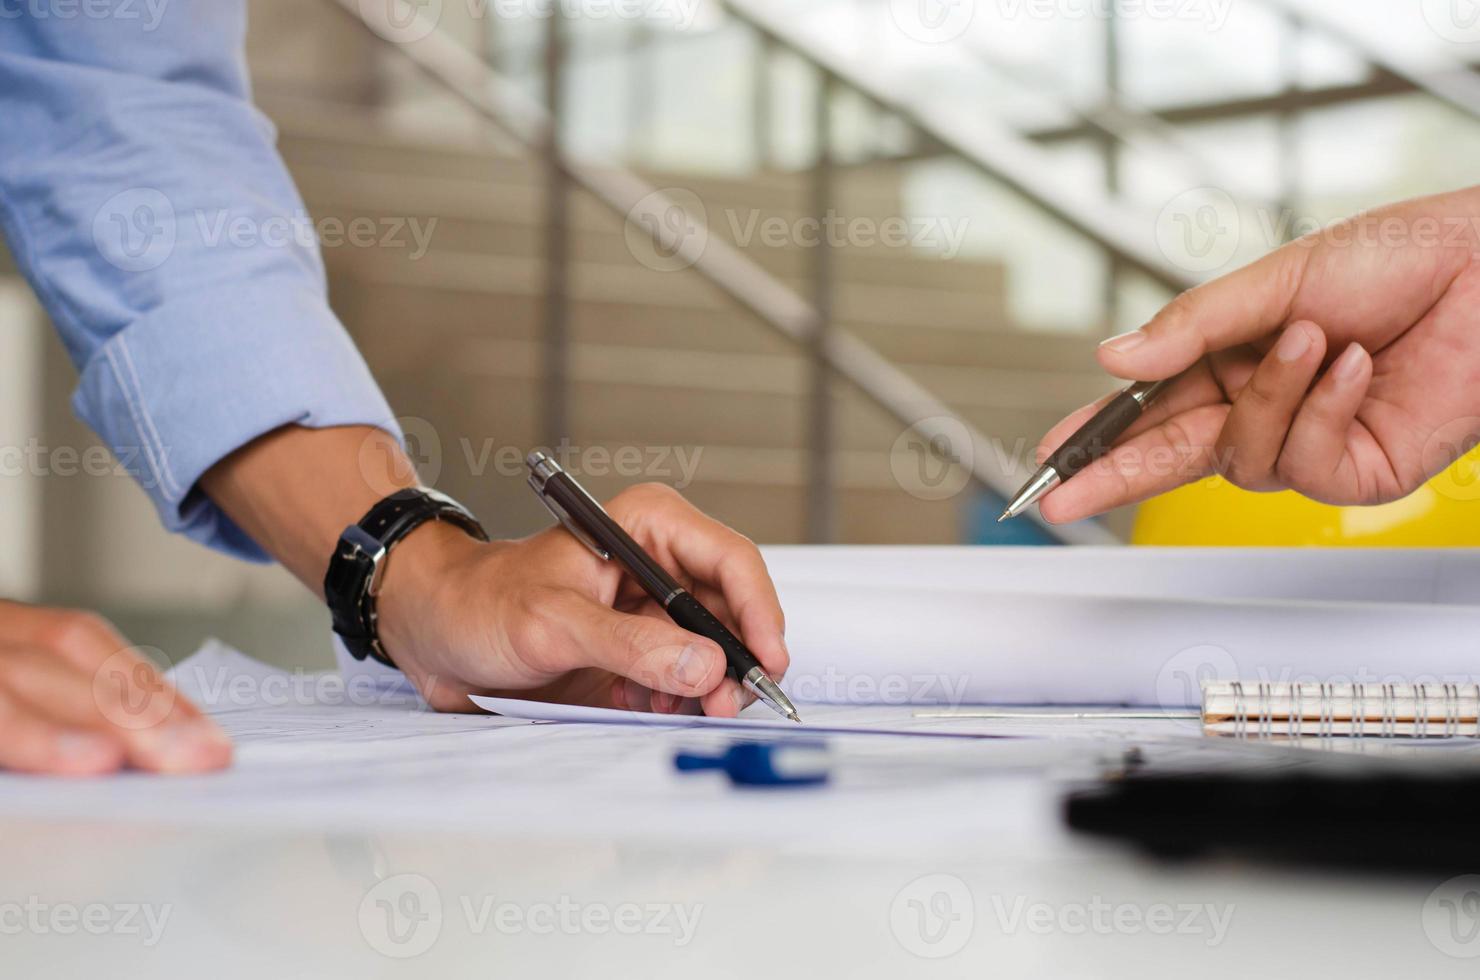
(307, 48)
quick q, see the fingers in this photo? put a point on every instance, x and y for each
(727, 700)
(1235, 309)
(151, 730)
(1177, 451)
(657, 656)
(1316, 457)
(73, 670)
(32, 742)
(1254, 435)
(714, 554)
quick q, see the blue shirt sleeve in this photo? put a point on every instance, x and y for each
(144, 200)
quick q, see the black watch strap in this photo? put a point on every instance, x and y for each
(352, 582)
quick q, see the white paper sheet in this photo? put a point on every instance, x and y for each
(317, 759)
(818, 719)
(858, 644)
(1419, 575)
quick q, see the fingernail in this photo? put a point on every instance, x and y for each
(1125, 342)
(83, 748)
(741, 701)
(1293, 344)
(691, 666)
(1349, 364)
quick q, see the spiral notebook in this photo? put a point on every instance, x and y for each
(1242, 709)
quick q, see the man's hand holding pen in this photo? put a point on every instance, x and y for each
(544, 618)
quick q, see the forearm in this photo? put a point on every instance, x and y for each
(296, 489)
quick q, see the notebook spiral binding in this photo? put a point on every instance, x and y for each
(1265, 710)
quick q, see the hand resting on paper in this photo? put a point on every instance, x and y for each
(77, 700)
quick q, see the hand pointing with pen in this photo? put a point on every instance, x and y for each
(1345, 366)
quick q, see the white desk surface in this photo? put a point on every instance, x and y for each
(965, 874)
(940, 858)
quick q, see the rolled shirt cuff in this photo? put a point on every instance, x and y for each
(199, 377)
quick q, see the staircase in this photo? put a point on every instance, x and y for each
(698, 391)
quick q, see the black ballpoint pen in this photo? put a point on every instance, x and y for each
(1092, 440)
(584, 518)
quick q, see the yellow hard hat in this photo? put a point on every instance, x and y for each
(1443, 513)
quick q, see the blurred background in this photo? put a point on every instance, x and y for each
(829, 266)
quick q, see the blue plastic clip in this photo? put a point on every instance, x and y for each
(786, 763)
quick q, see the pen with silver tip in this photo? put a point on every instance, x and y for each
(1092, 440)
(589, 522)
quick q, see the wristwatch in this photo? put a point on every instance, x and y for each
(357, 567)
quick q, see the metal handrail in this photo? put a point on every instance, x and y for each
(1123, 119)
(493, 97)
(999, 154)
(1447, 79)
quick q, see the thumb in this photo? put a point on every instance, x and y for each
(1238, 308)
(654, 653)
